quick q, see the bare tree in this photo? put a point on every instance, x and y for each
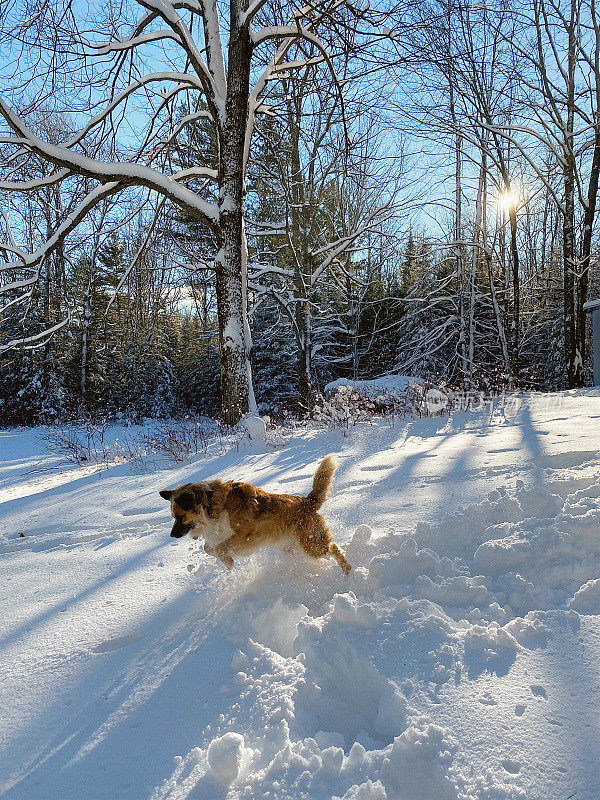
(558, 43)
(333, 194)
(127, 70)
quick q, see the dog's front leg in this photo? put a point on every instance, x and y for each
(220, 553)
(223, 554)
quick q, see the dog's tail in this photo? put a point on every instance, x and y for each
(321, 483)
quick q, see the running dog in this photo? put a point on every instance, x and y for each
(238, 518)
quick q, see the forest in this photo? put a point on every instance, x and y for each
(215, 209)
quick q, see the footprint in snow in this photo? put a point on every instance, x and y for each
(487, 699)
(117, 643)
(140, 512)
(538, 691)
(520, 709)
(511, 766)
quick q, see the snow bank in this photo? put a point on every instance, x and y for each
(255, 427)
(348, 402)
(418, 763)
(587, 598)
(366, 791)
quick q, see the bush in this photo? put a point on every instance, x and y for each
(174, 440)
(82, 444)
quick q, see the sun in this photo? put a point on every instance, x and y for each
(507, 200)
(510, 199)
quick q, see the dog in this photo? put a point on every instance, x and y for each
(237, 518)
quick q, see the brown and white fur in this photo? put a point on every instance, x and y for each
(238, 518)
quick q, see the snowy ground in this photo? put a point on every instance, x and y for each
(459, 659)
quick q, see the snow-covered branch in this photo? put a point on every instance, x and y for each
(122, 173)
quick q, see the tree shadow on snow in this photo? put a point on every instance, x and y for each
(164, 694)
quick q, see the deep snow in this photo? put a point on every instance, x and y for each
(459, 659)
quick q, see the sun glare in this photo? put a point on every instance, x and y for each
(506, 200)
(509, 199)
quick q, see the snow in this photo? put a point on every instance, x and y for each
(254, 426)
(224, 757)
(459, 660)
(392, 384)
(587, 598)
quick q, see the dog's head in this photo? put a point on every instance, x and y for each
(189, 506)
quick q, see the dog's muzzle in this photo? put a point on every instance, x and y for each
(179, 529)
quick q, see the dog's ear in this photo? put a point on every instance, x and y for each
(207, 500)
(186, 500)
(166, 493)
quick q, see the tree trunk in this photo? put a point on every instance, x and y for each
(569, 279)
(476, 252)
(462, 334)
(571, 360)
(231, 282)
(516, 315)
(512, 270)
(569, 276)
(302, 262)
(85, 340)
(304, 346)
(498, 317)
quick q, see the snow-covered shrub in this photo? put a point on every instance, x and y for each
(344, 406)
(173, 440)
(348, 402)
